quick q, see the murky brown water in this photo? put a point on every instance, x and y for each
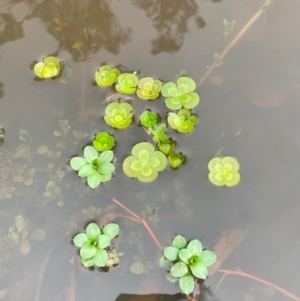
(249, 109)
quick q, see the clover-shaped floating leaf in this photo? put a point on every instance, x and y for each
(181, 95)
(95, 168)
(118, 115)
(127, 83)
(145, 162)
(93, 243)
(149, 88)
(103, 141)
(176, 159)
(182, 121)
(49, 67)
(224, 171)
(106, 76)
(148, 119)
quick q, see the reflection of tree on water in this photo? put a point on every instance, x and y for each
(88, 25)
(170, 18)
(10, 29)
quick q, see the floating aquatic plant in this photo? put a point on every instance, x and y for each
(127, 83)
(176, 159)
(180, 95)
(149, 88)
(148, 119)
(166, 146)
(189, 262)
(182, 121)
(224, 171)
(118, 115)
(49, 67)
(94, 242)
(158, 132)
(96, 169)
(145, 163)
(106, 76)
(103, 141)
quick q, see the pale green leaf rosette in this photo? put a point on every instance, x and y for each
(95, 168)
(145, 163)
(118, 115)
(106, 76)
(49, 67)
(224, 171)
(149, 88)
(181, 95)
(127, 83)
(93, 244)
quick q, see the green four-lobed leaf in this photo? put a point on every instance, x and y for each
(224, 171)
(149, 88)
(127, 83)
(180, 95)
(145, 163)
(118, 115)
(106, 76)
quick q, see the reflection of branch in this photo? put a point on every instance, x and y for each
(140, 219)
(42, 271)
(234, 41)
(270, 284)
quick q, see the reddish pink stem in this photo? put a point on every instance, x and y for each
(243, 274)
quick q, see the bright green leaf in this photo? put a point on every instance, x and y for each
(90, 154)
(80, 239)
(87, 251)
(101, 258)
(179, 269)
(103, 241)
(111, 230)
(186, 284)
(171, 253)
(94, 180)
(195, 247)
(208, 258)
(199, 270)
(184, 255)
(179, 242)
(77, 163)
(88, 262)
(92, 231)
